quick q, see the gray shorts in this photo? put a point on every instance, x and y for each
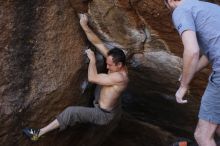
(78, 114)
(210, 104)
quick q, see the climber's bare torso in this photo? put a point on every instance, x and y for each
(109, 95)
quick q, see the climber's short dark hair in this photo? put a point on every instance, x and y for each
(117, 56)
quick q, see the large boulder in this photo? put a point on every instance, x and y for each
(41, 64)
(44, 70)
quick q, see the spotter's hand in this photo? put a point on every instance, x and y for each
(181, 92)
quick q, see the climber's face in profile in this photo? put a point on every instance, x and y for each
(112, 66)
(116, 60)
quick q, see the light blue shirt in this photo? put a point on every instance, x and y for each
(204, 19)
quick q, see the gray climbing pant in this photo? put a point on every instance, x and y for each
(78, 114)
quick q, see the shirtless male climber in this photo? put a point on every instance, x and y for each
(113, 83)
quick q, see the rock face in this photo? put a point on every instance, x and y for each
(41, 41)
(43, 68)
(118, 24)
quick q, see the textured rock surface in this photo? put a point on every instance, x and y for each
(139, 134)
(119, 24)
(42, 69)
(41, 42)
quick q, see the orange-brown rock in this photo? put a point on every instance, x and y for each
(43, 68)
(41, 59)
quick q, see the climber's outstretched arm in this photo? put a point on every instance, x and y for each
(92, 37)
